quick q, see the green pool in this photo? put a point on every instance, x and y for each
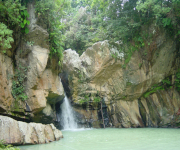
(115, 139)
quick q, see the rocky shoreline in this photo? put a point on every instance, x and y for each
(21, 133)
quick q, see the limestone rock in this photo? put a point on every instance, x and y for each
(20, 133)
(160, 109)
(71, 60)
(57, 133)
(9, 130)
(6, 71)
(96, 71)
(42, 84)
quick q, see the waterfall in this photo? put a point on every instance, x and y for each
(67, 116)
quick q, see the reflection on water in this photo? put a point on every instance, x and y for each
(114, 139)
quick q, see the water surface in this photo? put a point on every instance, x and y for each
(115, 139)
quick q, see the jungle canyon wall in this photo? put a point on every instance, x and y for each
(28, 68)
(133, 94)
(125, 89)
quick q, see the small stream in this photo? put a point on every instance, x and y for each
(114, 139)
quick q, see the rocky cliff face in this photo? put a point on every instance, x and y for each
(122, 88)
(41, 83)
(100, 72)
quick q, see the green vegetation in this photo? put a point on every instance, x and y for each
(13, 16)
(77, 24)
(86, 99)
(89, 21)
(177, 81)
(81, 77)
(97, 99)
(5, 37)
(24, 21)
(18, 90)
(51, 13)
(153, 89)
(7, 147)
(165, 84)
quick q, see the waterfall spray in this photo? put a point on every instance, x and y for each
(67, 116)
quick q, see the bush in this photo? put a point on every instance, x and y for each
(7, 147)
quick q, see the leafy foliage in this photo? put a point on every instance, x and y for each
(52, 12)
(10, 12)
(97, 99)
(89, 21)
(24, 21)
(165, 84)
(18, 90)
(12, 16)
(7, 147)
(177, 81)
(84, 100)
(153, 89)
(5, 37)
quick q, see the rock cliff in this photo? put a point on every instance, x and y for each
(30, 63)
(122, 87)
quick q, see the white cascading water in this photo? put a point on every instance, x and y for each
(67, 116)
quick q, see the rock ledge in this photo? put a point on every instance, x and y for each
(21, 133)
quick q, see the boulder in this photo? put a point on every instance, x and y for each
(21, 133)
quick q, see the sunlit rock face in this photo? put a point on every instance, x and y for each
(121, 87)
(21, 133)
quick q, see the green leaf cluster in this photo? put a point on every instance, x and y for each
(7, 147)
(10, 12)
(84, 100)
(97, 99)
(177, 81)
(24, 21)
(12, 16)
(5, 37)
(164, 84)
(154, 89)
